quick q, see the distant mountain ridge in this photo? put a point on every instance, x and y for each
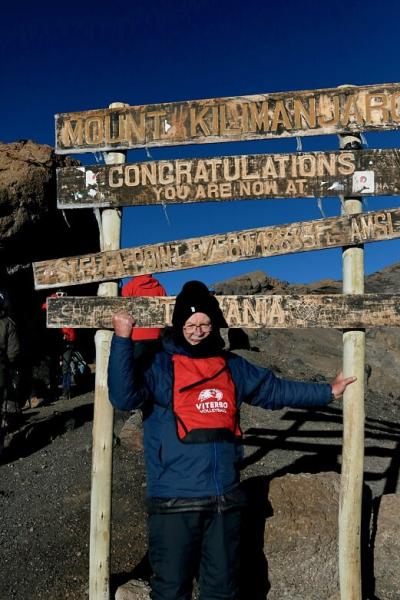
(385, 281)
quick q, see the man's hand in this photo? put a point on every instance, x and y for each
(340, 383)
(123, 324)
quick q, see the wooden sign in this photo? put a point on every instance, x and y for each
(340, 311)
(307, 175)
(276, 115)
(319, 234)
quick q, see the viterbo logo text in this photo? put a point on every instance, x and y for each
(210, 401)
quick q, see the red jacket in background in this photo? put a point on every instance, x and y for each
(69, 334)
(144, 285)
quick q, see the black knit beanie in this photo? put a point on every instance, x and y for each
(195, 297)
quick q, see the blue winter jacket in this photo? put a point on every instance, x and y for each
(181, 470)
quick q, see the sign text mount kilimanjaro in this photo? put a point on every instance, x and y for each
(275, 115)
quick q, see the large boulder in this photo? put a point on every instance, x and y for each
(31, 226)
(131, 434)
(26, 185)
(133, 590)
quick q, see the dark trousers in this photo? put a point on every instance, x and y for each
(194, 544)
(66, 369)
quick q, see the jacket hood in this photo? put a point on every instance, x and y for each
(170, 345)
(174, 343)
(143, 285)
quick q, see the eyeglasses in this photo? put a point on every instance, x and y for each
(203, 327)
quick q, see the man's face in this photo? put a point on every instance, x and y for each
(197, 328)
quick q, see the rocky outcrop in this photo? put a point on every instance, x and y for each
(256, 282)
(26, 179)
(31, 226)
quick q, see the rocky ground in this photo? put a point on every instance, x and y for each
(45, 473)
(45, 483)
(45, 505)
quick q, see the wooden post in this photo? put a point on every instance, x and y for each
(103, 421)
(353, 417)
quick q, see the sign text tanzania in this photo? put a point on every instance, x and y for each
(285, 114)
(341, 311)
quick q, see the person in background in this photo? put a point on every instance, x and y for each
(190, 392)
(144, 337)
(144, 285)
(9, 353)
(60, 355)
(69, 339)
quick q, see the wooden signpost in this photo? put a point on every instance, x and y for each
(221, 248)
(288, 311)
(286, 114)
(300, 175)
(103, 421)
(349, 173)
(352, 468)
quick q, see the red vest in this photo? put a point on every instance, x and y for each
(204, 400)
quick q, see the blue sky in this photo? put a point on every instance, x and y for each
(81, 56)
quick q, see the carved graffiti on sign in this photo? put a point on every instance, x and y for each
(274, 115)
(215, 249)
(340, 311)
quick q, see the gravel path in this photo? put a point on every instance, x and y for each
(45, 510)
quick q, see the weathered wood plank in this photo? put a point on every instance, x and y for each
(284, 114)
(302, 175)
(220, 248)
(289, 311)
